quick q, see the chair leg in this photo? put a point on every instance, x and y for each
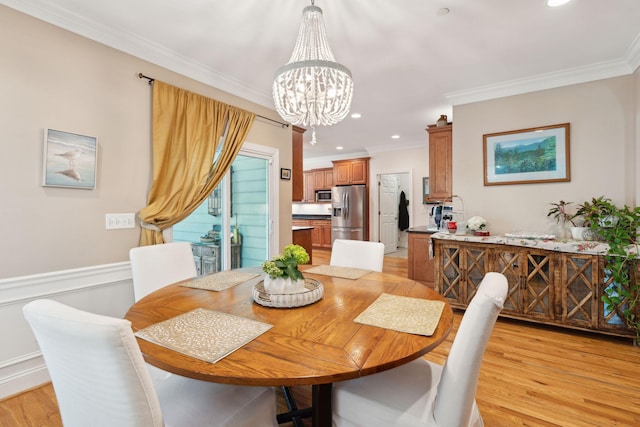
(295, 415)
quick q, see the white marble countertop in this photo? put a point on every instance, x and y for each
(564, 245)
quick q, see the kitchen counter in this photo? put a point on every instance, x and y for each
(564, 245)
(301, 227)
(312, 217)
(422, 229)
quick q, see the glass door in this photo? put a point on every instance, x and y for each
(232, 228)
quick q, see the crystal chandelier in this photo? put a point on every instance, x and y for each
(312, 89)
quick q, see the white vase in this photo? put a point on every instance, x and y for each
(576, 233)
(282, 285)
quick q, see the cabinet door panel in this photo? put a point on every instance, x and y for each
(450, 285)
(579, 290)
(509, 263)
(328, 178)
(475, 267)
(538, 293)
(420, 266)
(342, 174)
(609, 319)
(358, 172)
(440, 162)
(309, 189)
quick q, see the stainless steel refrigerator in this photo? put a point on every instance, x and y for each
(348, 207)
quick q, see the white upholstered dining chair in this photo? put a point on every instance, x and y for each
(357, 254)
(156, 266)
(422, 393)
(100, 378)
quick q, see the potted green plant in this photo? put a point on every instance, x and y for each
(560, 212)
(618, 227)
(594, 214)
(283, 275)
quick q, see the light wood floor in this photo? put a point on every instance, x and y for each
(530, 376)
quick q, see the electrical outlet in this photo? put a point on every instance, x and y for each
(120, 220)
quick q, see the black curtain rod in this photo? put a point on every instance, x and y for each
(151, 79)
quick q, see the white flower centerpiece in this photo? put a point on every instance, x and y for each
(476, 225)
(283, 275)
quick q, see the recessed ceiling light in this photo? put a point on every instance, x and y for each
(395, 136)
(556, 3)
(339, 148)
(443, 11)
(356, 115)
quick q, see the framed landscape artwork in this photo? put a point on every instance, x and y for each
(527, 156)
(70, 160)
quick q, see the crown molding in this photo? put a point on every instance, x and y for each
(633, 54)
(571, 76)
(146, 50)
(143, 49)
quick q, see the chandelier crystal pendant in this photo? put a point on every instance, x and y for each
(312, 89)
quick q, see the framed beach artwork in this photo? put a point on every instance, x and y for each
(70, 160)
(527, 156)
(285, 173)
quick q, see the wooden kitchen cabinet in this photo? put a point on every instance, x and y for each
(309, 188)
(545, 286)
(323, 179)
(352, 171)
(316, 179)
(322, 237)
(321, 233)
(420, 266)
(440, 163)
(297, 179)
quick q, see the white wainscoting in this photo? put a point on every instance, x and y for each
(104, 289)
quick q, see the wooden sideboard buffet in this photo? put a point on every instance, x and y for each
(555, 283)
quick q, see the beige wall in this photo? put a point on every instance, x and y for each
(51, 78)
(603, 155)
(415, 161)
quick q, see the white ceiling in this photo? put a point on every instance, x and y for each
(409, 62)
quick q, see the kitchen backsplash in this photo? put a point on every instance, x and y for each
(311, 208)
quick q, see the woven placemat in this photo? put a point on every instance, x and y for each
(403, 314)
(342, 272)
(220, 281)
(204, 334)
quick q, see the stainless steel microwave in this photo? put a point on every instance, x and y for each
(323, 195)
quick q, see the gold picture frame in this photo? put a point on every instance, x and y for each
(527, 156)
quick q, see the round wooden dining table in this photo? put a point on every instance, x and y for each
(316, 345)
